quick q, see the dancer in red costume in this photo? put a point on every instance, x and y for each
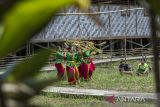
(88, 66)
(78, 60)
(59, 58)
(72, 71)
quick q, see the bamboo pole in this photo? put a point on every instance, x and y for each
(125, 36)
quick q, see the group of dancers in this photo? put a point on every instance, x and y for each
(75, 60)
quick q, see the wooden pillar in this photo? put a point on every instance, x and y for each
(141, 42)
(131, 44)
(110, 41)
(27, 49)
(32, 49)
(125, 36)
(48, 45)
(121, 48)
(111, 50)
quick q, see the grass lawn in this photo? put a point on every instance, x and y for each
(107, 77)
(52, 100)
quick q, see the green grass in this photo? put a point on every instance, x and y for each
(52, 100)
(107, 77)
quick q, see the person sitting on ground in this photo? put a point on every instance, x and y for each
(143, 68)
(124, 68)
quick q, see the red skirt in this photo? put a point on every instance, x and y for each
(72, 74)
(93, 66)
(76, 73)
(80, 69)
(60, 69)
(90, 70)
(85, 69)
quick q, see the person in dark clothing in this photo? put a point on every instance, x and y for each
(124, 68)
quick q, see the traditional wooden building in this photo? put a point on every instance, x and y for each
(125, 25)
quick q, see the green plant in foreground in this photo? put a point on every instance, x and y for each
(20, 20)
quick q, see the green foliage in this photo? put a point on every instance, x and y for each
(26, 19)
(5, 5)
(155, 5)
(31, 68)
(20, 20)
